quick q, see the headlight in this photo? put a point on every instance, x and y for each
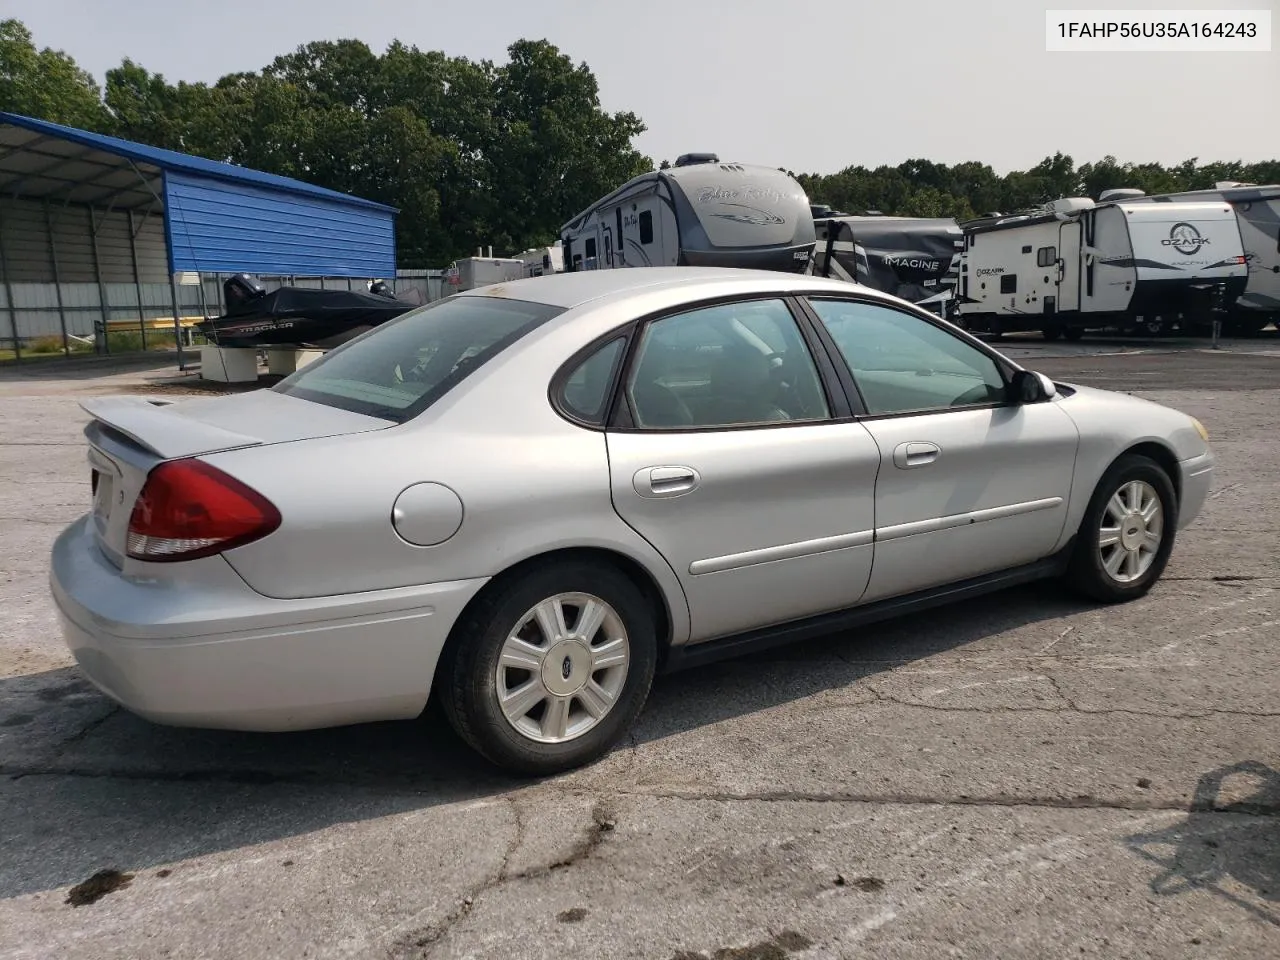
(1204, 434)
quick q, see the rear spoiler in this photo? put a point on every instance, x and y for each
(167, 434)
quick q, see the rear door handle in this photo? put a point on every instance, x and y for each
(915, 454)
(665, 481)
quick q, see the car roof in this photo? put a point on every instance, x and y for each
(571, 290)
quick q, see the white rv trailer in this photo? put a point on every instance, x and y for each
(699, 212)
(540, 261)
(1257, 209)
(1081, 265)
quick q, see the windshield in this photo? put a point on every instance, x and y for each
(399, 369)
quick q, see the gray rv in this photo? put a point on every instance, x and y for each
(700, 212)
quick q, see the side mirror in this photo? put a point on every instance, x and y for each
(1031, 387)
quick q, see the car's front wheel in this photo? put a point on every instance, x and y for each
(550, 670)
(1127, 532)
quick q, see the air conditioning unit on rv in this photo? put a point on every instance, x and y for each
(1068, 207)
(689, 159)
(1229, 184)
(1120, 193)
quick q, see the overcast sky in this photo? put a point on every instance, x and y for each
(812, 86)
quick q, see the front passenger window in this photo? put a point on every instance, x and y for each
(728, 365)
(903, 363)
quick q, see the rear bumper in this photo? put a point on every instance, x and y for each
(1196, 478)
(204, 650)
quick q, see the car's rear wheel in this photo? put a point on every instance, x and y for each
(550, 670)
(1127, 532)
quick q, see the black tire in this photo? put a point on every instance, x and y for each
(1073, 333)
(1086, 573)
(1051, 332)
(467, 685)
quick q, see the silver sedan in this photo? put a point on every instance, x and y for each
(529, 499)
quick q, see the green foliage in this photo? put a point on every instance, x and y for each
(53, 344)
(45, 83)
(920, 188)
(477, 154)
(130, 341)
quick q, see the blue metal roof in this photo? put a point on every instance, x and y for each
(218, 217)
(214, 226)
(170, 160)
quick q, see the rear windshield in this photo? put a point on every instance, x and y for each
(402, 367)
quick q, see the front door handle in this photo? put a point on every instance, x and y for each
(915, 454)
(665, 481)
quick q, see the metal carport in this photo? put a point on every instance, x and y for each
(95, 230)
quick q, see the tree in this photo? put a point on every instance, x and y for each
(46, 84)
(555, 150)
(145, 107)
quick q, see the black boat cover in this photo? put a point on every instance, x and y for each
(300, 315)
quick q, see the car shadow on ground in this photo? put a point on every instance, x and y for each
(81, 773)
(1228, 838)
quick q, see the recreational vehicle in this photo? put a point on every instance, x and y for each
(541, 261)
(1082, 265)
(915, 258)
(699, 212)
(1257, 209)
(475, 272)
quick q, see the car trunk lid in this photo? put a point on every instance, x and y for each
(129, 435)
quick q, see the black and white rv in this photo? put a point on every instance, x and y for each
(1082, 265)
(1257, 209)
(914, 258)
(699, 212)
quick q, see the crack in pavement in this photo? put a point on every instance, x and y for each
(603, 822)
(1079, 802)
(88, 728)
(1221, 578)
(419, 944)
(1068, 707)
(313, 778)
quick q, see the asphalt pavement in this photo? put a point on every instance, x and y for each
(1022, 776)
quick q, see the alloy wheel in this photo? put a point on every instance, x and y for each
(1131, 531)
(563, 667)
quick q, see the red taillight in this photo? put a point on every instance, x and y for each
(188, 509)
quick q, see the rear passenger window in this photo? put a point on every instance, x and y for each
(722, 366)
(586, 391)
